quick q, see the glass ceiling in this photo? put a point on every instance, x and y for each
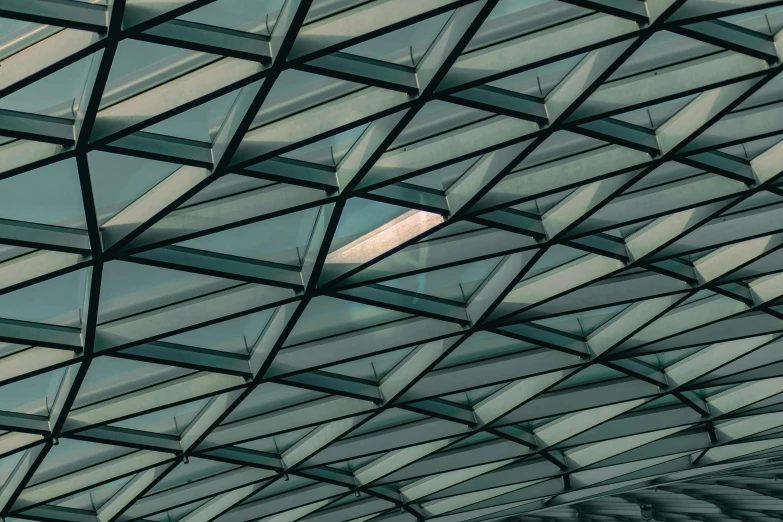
(391, 260)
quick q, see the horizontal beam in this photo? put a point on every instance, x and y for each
(221, 265)
(209, 39)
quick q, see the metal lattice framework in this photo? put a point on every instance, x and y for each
(391, 260)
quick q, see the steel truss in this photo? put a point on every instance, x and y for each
(391, 260)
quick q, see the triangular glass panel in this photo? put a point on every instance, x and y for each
(57, 301)
(483, 345)
(7, 466)
(404, 46)
(130, 288)
(453, 229)
(200, 123)
(139, 66)
(438, 117)
(237, 335)
(278, 240)
(54, 95)
(361, 216)
(553, 258)
(368, 229)
(327, 316)
(168, 421)
(180, 475)
(372, 368)
(48, 195)
(583, 323)
(454, 283)
(443, 178)
(277, 444)
(118, 180)
(664, 48)
(663, 175)
(590, 374)
(668, 358)
(656, 115)
(473, 397)
(559, 145)
(135, 55)
(71, 455)
(328, 151)
(110, 377)
(538, 82)
(225, 186)
(295, 91)
(33, 395)
(271, 396)
(93, 499)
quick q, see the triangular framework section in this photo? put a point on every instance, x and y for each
(456, 260)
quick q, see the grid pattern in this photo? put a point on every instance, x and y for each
(391, 260)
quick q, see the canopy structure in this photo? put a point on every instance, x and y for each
(391, 260)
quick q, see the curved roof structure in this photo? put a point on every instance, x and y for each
(391, 260)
